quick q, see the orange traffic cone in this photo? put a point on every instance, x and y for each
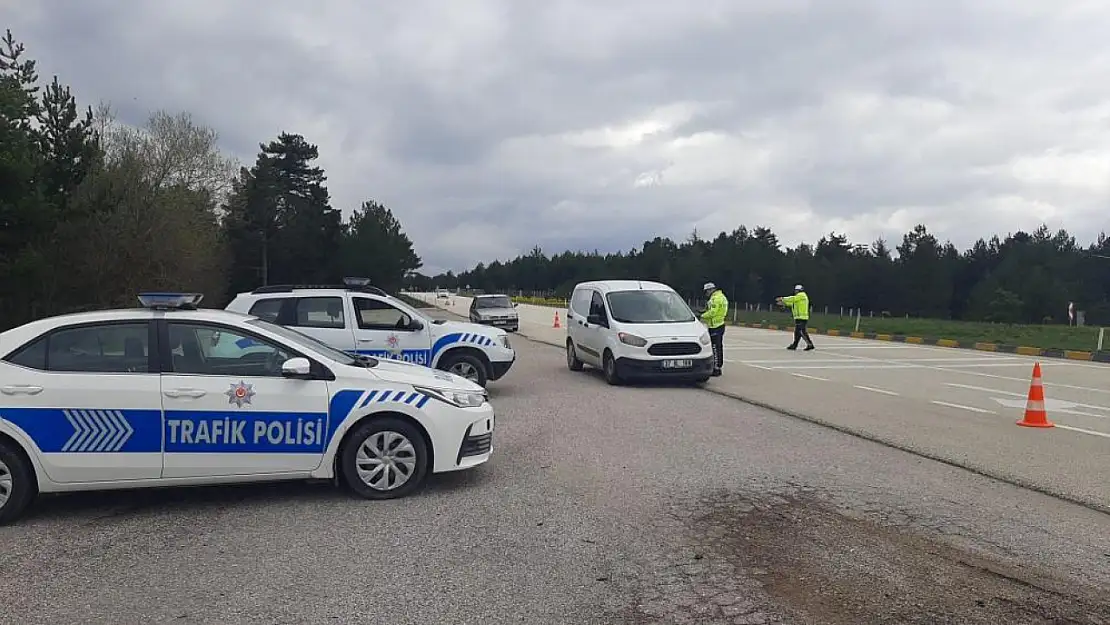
(1035, 415)
(556, 324)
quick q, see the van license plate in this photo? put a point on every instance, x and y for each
(678, 364)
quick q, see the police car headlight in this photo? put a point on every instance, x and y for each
(460, 399)
(704, 338)
(631, 339)
(505, 342)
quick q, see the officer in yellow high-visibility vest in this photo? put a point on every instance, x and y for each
(716, 311)
(799, 309)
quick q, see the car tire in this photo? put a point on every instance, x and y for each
(609, 366)
(464, 362)
(572, 357)
(364, 447)
(17, 483)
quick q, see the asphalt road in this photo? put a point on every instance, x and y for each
(601, 506)
(955, 405)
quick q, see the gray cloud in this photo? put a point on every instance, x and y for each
(490, 126)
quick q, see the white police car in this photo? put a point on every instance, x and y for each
(168, 395)
(360, 318)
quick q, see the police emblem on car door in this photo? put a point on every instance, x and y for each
(240, 393)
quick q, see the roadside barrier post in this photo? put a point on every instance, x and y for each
(1101, 332)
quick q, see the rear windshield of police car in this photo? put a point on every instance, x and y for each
(648, 307)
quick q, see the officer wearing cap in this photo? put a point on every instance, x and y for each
(714, 317)
(799, 309)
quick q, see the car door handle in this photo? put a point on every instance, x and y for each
(183, 392)
(366, 340)
(21, 389)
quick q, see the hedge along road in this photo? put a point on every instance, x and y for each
(956, 406)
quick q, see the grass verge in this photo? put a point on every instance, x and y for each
(1043, 336)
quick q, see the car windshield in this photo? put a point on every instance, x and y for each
(648, 307)
(317, 345)
(500, 301)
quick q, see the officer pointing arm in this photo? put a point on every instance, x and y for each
(798, 303)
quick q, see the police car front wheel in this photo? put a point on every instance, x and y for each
(17, 487)
(385, 458)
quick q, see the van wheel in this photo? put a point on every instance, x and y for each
(17, 484)
(384, 459)
(466, 365)
(609, 365)
(572, 357)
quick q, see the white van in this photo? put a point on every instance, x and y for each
(636, 329)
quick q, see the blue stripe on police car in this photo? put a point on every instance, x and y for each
(89, 430)
(99, 430)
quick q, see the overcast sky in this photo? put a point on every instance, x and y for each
(490, 126)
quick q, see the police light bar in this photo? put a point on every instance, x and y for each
(356, 281)
(167, 301)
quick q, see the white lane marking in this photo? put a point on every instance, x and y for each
(963, 407)
(841, 367)
(845, 358)
(1083, 431)
(984, 364)
(809, 377)
(1053, 406)
(1048, 400)
(893, 362)
(876, 390)
(756, 366)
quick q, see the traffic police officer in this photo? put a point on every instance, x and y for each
(799, 309)
(714, 317)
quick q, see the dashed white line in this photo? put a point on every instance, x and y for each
(962, 407)
(1082, 431)
(809, 377)
(876, 390)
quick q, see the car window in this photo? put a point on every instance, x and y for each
(597, 305)
(32, 355)
(377, 315)
(202, 349)
(580, 301)
(107, 348)
(303, 340)
(319, 312)
(649, 307)
(268, 309)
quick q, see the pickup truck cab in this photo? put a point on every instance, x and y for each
(362, 319)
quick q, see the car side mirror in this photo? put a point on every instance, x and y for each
(296, 368)
(515, 304)
(415, 325)
(595, 319)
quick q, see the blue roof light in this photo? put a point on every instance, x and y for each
(167, 301)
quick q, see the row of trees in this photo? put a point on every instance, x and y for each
(93, 210)
(1023, 277)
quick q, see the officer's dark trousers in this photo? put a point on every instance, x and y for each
(717, 338)
(800, 332)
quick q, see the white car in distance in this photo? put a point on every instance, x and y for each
(171, 395)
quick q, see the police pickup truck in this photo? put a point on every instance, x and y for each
(363, 319)
(171, 395)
